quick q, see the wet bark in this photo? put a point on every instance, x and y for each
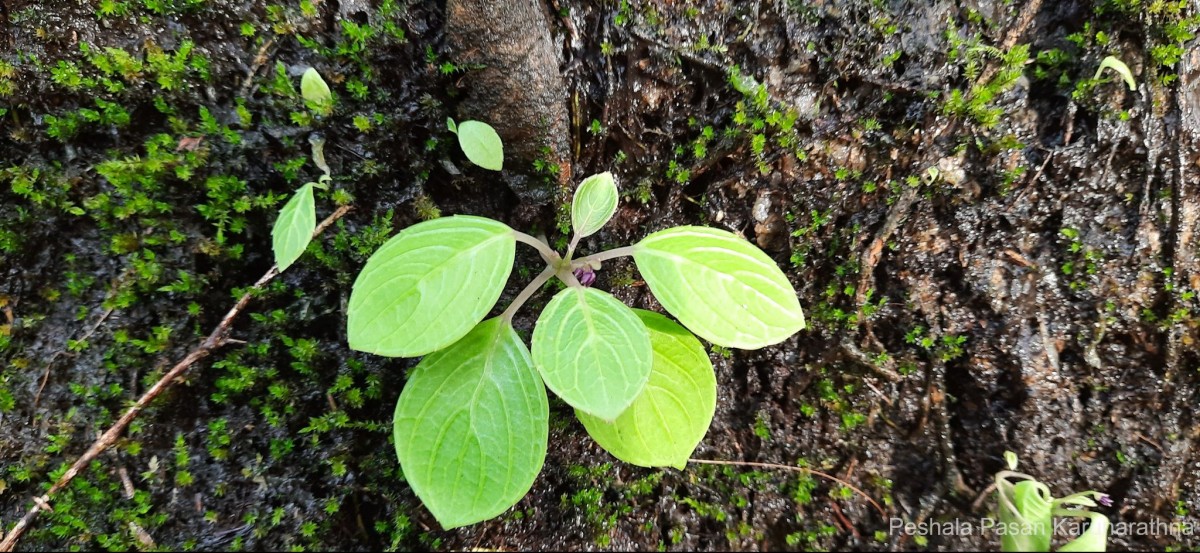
(513, 83)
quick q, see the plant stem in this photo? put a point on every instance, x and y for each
(605, 255)
(525, 294)
(571, 247)
(549, 255)
(219, 337)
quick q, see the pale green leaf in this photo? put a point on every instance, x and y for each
(471, 424)
(1032, 522)
(450, 124)
(429, 285)
(719, 286)
(294, 227)
(669, 418)
(593, 351)
(594, 204)
(314, 91)
(1119, 66)
(1095, 538)
(481, 144)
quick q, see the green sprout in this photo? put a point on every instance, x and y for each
(1027, 511)
(472, 422)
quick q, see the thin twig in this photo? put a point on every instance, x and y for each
(804, 470)
(218, 337)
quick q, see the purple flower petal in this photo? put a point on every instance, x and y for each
(585, 275)
(1104, 499)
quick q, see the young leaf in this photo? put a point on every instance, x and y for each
(719, 286)
(315, 92)
(665, 423)
(1119, 66)
(1095, 538)
(593, 351)
(450, 124)
(1032, 523)
(481, 144)
(294, 227)
(594, 204)
(471, 425)
(429, 285)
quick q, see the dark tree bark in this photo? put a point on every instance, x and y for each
(513, 83)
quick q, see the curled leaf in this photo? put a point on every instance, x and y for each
(1111, 62)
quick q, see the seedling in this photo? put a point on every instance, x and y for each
(297, 220)
(1027, 511)
(472, 421)
(316, 93)
(1119, 66)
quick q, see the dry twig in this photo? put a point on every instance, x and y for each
(218, 338)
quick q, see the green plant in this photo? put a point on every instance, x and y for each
(472, 421)
(1027, 511)
(316, 93)
(297, 220)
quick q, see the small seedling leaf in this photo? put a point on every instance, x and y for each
(294, 228)
(315, 92)
(481, 144)
(1010, 459)
(593, 351)
(594, 204)
(668, 419)
(471, 425)
(1111, 62)
(450, 124)
(719, 286)
(429, 285)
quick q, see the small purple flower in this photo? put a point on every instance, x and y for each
(585, 275)
(1104, 499)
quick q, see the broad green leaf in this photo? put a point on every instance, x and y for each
(429, 285)
(594, 204)
(669, 418)
(294, 227)
(592, 351)
(316, 92)
(719, 286)
(1095, 538)
(481, 144)
(1032, 525)
(471, 425)
(1119, 66)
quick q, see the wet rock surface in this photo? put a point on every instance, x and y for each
(995, 251)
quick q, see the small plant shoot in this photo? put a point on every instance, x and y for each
(472, 421)
(1111, 62)
(297, 220)
(1028, 508)
(480, 143)
(316, 93)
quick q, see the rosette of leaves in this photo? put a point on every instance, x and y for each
(471, 423)
(1027, 511)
